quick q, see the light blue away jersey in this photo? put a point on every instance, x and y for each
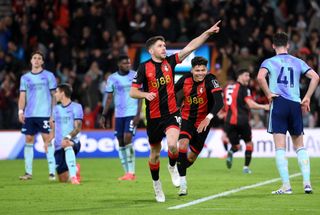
(284, 72)
(64, 117)
(120, 86)
(38, 98)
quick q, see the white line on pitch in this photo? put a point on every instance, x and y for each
(229, 192)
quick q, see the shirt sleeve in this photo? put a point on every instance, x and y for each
(173, 60)
(52, 82)
(22, 84)
(265, 65)
(246, 93)
(110, 85)
(78, 112)
(304, 67)
(213, 83)
(139, 77)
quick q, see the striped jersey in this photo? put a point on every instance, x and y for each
(37, 87)
(237, 111)
(284, 72)
(64, 117)
(119, 85)
(198, 100)
(158, 78)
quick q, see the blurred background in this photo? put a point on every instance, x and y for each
(82, 39)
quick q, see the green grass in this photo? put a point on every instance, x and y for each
(101, 192)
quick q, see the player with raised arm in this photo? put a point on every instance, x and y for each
(35, 104)
(202, 101)
(237, 103)
(284, 72)
(67, 123)
(127, 113)
(156, 77)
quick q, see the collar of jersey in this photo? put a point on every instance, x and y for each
(36, 73)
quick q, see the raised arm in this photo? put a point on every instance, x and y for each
(198, 41)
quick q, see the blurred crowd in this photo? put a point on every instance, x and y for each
(82, 39)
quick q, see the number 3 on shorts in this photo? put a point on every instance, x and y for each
(46, 124)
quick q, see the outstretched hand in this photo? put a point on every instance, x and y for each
(215, 28)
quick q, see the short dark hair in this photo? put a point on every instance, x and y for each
(197, 61)
(241, 71)
(39, 53)
(153, 40)
(122, 57)
(280, 39)
(66, 88)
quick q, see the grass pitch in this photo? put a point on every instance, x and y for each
(101, 192)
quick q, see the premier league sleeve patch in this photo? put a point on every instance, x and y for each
(215, 83)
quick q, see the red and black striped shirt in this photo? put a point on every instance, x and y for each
(158, 78)
(237, 111)
(198, 100)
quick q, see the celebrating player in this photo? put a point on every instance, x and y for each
(202, 101)
(156, 76)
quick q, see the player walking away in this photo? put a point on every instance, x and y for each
(237, 103)
(127, 113)
(284, 72)
(202, 101)
(67, 122)
(156, 76)
(35, 107)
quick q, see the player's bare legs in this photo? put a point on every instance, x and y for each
(172, 134)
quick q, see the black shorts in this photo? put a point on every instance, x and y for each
(237, 132)
(157, 127)
(60, 156)
(33, 125)
(196, 140)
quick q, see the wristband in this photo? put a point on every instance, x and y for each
(20, 111)
(68, 137)
(209, 116)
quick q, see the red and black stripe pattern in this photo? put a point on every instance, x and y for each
(158, 78)
(198, 99)
(237, 111)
